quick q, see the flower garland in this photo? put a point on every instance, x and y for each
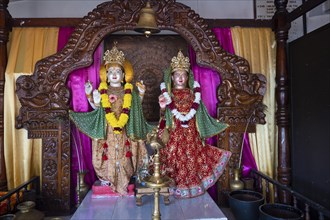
(171, 105)
(119, 123)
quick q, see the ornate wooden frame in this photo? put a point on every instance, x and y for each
(45, 97)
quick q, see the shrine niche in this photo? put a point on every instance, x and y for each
(149, 57)
(45, 97)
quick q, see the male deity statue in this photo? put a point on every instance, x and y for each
(116, 125)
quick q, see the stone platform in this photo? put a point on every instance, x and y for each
(99, 191)
(124, 207)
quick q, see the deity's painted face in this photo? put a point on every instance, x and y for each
(180, 78)
(115, 75)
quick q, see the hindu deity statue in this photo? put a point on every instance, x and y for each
(193, 165)
(116, 125)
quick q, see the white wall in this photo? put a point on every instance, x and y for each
(216, 9)
(231, 9)
(318, 17)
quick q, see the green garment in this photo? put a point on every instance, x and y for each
(207, 126)
(93, 124)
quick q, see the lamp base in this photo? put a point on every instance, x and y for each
(141, 190)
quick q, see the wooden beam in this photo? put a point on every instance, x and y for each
(46, 22)
(238, 22)
(304, 8)
(281, 29)
(72, 22)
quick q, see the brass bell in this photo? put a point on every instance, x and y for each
(147, 21)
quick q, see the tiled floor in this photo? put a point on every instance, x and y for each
(202, 207)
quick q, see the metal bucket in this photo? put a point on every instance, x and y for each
(279, 211)
(245, 204)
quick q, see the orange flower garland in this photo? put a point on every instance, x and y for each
(117, 124)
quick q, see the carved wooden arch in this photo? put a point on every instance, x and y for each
(45, 97)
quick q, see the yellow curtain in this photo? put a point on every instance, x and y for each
(258, 46)
(22, 155)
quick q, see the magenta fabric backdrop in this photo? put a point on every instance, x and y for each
(208, 78)
(79, 103)
(248, 161)
(209, 81)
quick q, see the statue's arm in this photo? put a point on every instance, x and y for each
(142, 89)
(93, 97)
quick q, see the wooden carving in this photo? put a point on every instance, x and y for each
(5, 20)
(55, 164)
(240, 100)
(240, 105)
(45, 97)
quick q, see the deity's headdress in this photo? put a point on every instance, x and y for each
(180, 62)
(115, 57)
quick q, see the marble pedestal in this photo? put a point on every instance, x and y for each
(124, 207)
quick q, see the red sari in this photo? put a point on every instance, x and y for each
(194, 167)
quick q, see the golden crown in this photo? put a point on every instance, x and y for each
(180, 62)
(114, 56)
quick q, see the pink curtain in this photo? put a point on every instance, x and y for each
(209, 81)
(208, 78)
(81, 145)
(248, 161)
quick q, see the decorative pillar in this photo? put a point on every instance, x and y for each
(281, 28)
(5, 20)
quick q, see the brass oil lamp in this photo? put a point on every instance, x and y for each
(156, 181)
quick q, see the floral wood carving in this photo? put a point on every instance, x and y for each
(240, 101)
(55, 154)
(45, 97)
(46, 89)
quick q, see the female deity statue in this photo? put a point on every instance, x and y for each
(116, 125)
(193, 165)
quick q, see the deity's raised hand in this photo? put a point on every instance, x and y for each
(96, 97)
(88, 88)
(141, 87)
(162, 101)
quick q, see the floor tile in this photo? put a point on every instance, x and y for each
(124, 207)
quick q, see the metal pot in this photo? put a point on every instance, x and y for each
(279, 211)
(245, 204)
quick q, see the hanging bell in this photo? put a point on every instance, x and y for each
(147, 21)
